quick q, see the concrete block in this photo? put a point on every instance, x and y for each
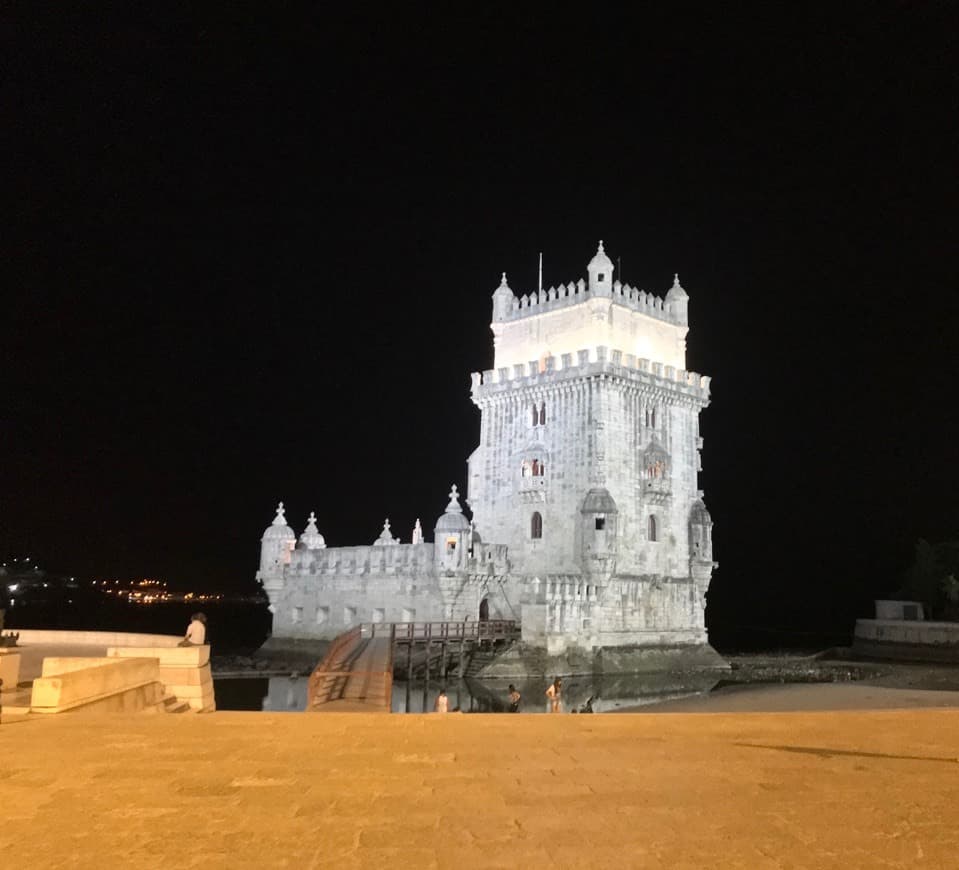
(186, 693)
(9, 669)
(186, 676)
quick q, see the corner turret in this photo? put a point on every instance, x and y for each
(276, 545)
(503, 300)
(677, 302)
(600, 271)
(451, 536)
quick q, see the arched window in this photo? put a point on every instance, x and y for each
(536, 526)
(542, 414)
(533, 468)
(651, 528)
(647, 418)
(535, 415)
(654, 418)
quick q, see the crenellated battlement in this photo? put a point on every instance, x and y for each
(370, 559)
(391, 559)
(589, 362)
(566, 295)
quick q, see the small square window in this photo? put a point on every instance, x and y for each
(297, 615)
(600, 523)
(600, 277)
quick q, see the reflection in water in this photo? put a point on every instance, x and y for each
(608, 693)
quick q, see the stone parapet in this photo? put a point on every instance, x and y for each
(592, 362)
(907, 639)
(402, 559)
(95, 638)
(565, 295)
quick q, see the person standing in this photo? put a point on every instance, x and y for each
(442, 702)
(514, 699)
(195, 632)
(554, 694)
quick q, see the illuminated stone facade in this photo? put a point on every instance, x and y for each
(588, 524)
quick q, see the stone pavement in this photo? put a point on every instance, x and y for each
(236, 790)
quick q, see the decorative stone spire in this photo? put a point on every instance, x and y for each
(311, 539)
(417, 532)
(386, 536)
(280, 518)
(454, 506)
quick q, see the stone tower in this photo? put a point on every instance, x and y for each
(588, 459)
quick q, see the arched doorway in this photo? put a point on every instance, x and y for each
(484, 610)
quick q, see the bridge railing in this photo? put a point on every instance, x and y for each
(406, 632)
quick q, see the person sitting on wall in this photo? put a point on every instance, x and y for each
(195, 632)
(514, 699)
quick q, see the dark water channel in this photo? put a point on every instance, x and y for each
(608, 693)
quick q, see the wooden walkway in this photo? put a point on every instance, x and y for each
(357, 671)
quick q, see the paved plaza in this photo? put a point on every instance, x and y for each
(790, 790)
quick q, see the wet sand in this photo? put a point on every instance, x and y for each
(804, 697)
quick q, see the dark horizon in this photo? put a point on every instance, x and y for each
(251, 260)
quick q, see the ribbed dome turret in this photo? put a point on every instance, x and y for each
(453, 520)
(278, 530)
(600, 261)
(311, 539)
(676, 292)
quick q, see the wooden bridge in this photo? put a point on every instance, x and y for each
(357, 671)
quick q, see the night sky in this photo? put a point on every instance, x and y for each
(248, 255)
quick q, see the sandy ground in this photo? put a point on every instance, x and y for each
(256, 790)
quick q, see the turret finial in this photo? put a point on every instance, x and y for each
(280, 518)
(502, 282)
(601, 249)
(454, 506)
(676, 279)
(386, 537)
